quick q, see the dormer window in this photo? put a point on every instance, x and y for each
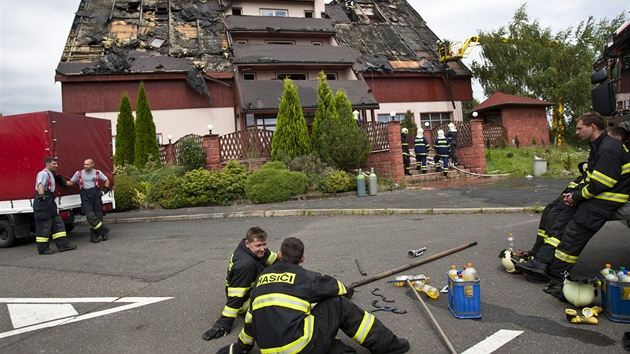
(274, 13)
(237, 11)
(308, 14)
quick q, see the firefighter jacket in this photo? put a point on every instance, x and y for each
(442, 147)
(405, 144)
(242, 271)
(609, 179)
(452, 136)
(421, 146)
(279, 318)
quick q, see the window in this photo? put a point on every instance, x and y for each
(261, 121)
(249, 76)
(280, 42)
(274, 13)
(158, 137)
(434, 119)
(308, 14)
(388, 118)
(237, 11)
(291, 76)
(241, 41)
(317, 43)
(331, 76)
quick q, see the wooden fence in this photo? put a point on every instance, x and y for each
(493, 134)
(464, 134)
(175, 151)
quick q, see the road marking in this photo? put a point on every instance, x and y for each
(493, 342)
(29, 314)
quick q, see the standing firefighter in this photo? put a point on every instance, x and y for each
(442, 152)
(451, 135)
(405, 150)
(421, 148)
(91, 203)
(281, 318)
(47, 220)
(249, 259)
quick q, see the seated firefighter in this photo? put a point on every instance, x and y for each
(282, 320)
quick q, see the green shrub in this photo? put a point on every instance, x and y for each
(516, 142)
(534, 142)
(312, 166)
(336, 181)
(167, 192)
(127, 193)
(278, 165)
(190, 153)
(271, 185)
(228, 184)
(196, 187)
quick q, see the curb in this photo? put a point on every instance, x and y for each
(324, 212)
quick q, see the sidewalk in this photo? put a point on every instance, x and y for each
(463, 195)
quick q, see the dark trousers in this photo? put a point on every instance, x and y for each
(338, 313)
(551, 224)
(421, 162)
(407, 163)
(47, 228)
(92, 207)
(453, 153)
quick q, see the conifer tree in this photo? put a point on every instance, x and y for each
(146, 146)
(291, 138)
(125, 133)
(408, 123)
(325, 109)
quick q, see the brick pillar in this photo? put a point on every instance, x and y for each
(395, 150)
(213, 151)
(474, 157)
(169, 151)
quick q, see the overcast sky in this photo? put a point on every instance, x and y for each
(33, 34)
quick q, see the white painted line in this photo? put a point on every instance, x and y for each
(23, 315)
(493, 342)
(133, 303)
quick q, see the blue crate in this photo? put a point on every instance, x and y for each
(615, 306)
(463, 306)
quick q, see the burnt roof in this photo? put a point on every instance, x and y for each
(261, 95)
(279, 24)
(291, 54)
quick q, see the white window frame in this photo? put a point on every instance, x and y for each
(253, 75)
(241, 41)
(385, 117)
(274, 13)
(317, 43)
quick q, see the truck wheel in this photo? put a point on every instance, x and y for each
(69, 227)
(6, 234)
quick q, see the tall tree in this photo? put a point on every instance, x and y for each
(526, 60)
(291, 138)
(125, 133)
(409, 123)
(146, 146)
(325, 110)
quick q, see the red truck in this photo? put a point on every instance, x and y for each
(25, 140)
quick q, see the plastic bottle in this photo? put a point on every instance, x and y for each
(510, 242)
(427, 289)
(620, 273)
(469, 274)
(420, 279)
(626, 290)
(453, 272)
(605, 271)
(611, 276)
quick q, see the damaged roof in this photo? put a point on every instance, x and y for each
(291, 54)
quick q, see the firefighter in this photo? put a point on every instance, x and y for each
(249, 259)
(421, 148)
(91, 203)
(442, 152)
(47, 220)
(282, 320)
(451, 135)
(604, 191)
(405, 150)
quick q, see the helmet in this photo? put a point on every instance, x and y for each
(451, 127)
(420, 132)
(579, 293)
(440, 133)
(405, 130)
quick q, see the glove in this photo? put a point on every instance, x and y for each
(60, 180)
(215, 332)
(41, 197)
(106, 190)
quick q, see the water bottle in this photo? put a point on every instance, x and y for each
(510, 242)
(453, 272)
(620, 273)
(469, 275)
(611, 276)
(427, 289)
(606, 270)
(626, 290)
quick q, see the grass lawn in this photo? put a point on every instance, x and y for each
(561, 161)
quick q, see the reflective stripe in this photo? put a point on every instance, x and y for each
(236, 292)
(552, 241)
(364, 329)
(613, 197)
(603, 179)
(245, 338)
(100, 223)
(229, 312)
(565, 257)
(586, 194)
(342, 288)
(41, 239)
(244, 308)
(297, 345)
(59, 234)
(542, 233)
(572, 185)
(625, 169)
(248, 317)
(272, 258)
(282, 300)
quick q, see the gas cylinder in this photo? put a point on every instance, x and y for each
(361, 184)
(373, 185)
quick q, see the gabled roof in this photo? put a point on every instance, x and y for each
(500, 99)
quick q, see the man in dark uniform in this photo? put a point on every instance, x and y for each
(249, 259)
(421, 148)
(47, 220)
(442, 152)
(405, 150)
(91, 203)
(605, 190)
(452, 135)
(281, 320)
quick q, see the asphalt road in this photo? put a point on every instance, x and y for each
(185, 262)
